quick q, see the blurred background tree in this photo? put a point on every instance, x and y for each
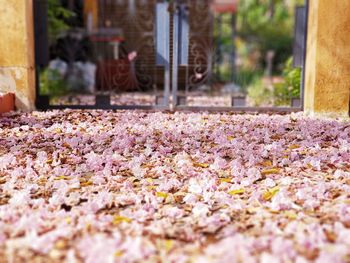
(265, 31)
(290, 86)
(268, 26)
(58, 17)
(51, 81)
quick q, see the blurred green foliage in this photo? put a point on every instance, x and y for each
(290, 87)
(247, 77)
(259, 94)
(268, 25)
(52, 83)
(58, 18)
(262, 27)
(280, 93)
(265, 26)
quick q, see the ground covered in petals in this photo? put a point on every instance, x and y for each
(98, 186)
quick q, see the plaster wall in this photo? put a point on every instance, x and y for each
(327, 89)
(17, 72)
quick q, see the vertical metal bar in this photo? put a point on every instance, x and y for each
(183, 35)
(162, 33)
(299, 46)
(219, 50)
(167, 85)
(162, 45)
(299, 36)
(187, 81)
(71, 5)
(41, 48)
(167, 61)
(189, 42)
(233, 55)
(175, 55)
(41, 33)
(302, 92)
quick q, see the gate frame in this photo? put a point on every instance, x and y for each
(103, 101)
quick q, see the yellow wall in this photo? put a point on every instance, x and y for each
(327, 82)
(17, 72)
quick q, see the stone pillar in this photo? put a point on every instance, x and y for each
(327, 75)
(17, 71)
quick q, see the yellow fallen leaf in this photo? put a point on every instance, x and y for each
(49, 161)
(253, 210)
(236, 192)
(266, 163)
(270, 171)
(230, 138)
(149, 180)
(162, 194)
(62, 177)
(291, 214)
(61, 244)
(87, 183)
(201, 165)
(3, 180)
(293, 146)
(42, 181)
(267, 195)
(68, 220)
(179, 196)
(119, 219)
(225, 180)
(133, 179)
(82, 180)
(118, 253)
(168, 244)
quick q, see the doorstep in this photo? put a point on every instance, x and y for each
(7, 102)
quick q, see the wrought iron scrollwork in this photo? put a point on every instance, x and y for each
(136, 20)
(202, 46)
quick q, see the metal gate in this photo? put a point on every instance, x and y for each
(103, 56)
(139, 54)
(198, 79)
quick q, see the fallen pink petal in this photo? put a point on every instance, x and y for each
(149, 186)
